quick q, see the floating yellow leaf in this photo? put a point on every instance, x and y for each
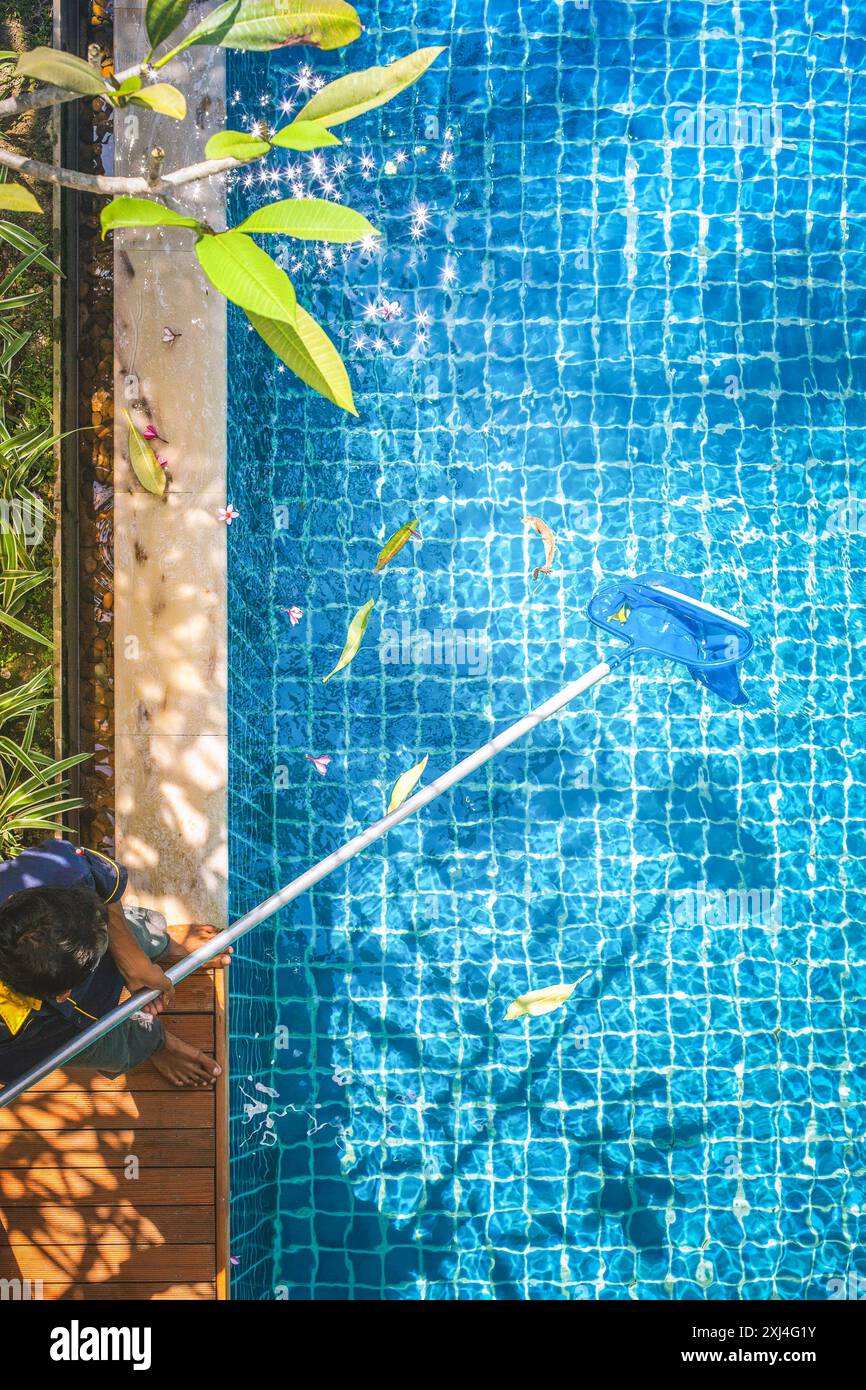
(395, 544)
(542, 1001)
(549, 539)
(357, 628)
(144, 461)
(406, 783)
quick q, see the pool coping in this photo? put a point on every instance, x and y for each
(170, 606)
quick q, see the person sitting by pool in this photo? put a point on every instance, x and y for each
(67, 950)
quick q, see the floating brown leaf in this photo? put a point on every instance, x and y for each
(549, 539)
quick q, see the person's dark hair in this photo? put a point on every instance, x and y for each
(51, 939)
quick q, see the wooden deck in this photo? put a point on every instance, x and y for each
(119, 1189)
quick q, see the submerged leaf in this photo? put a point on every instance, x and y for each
(542, 1001)
(549, 539)
(143, 459)
(357, 628)
(14, 197)
(357, 92)
(395, 544)
(406, 783)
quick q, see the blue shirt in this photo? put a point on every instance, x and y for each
(30, 1030)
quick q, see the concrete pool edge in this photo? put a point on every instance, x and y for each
(170, 620)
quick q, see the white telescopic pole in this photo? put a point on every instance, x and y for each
(218, 943)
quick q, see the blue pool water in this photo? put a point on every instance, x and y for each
(632, 304)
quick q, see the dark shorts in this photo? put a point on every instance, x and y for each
(131, 1042)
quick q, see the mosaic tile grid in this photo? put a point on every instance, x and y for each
(658, 347)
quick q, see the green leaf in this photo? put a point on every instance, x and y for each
(405, 784)
(127, 87)
(24, 630)
(395, 543)
(357, 628)
(143, 460)
(162, 98)
(350, 96)
(308, 352)
(62, 70)
(14, 197)
(162, 17)
(235, 144)
(311, 218)
(264, 24)
(140, 212)
(246, 275)
(304, 135)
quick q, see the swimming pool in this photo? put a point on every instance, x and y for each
(621, 288)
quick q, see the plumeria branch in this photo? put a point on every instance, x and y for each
(116, 184)
(55, 96)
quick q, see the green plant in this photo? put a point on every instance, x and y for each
(33, 794)
(235, 264)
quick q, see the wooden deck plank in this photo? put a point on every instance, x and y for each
(71, 1214)
(96, 1263)
(106, 1149)
(92, 1187)
(153, 1292)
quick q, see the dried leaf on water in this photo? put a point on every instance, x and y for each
(406, 783)
(354, 637)
(542, 1001)
(549, 539)
(395, 543)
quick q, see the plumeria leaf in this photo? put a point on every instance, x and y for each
(307, 351)
(236, 144)
(140, 212)
(313, 219)
(258, 25)
(162, 98)
(162, 17)
(304, 135)
(246, 275)
(350, 96)
(144, 461)
(62, 70)
(549, 539)
(128, 86)
(542, 1001)
(395, 543)
(406, 783)
(14, 197)
(354, 637)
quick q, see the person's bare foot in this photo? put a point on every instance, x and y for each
(184, 1065)
(175, 951)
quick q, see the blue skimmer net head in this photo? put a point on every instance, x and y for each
(661, 615)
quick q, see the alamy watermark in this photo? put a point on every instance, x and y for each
(438, 646)
(733, 126)
(728, 907)
(24, 517)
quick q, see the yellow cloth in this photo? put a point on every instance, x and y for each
(15, 1009)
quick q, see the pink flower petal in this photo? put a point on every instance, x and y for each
(320, 763)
